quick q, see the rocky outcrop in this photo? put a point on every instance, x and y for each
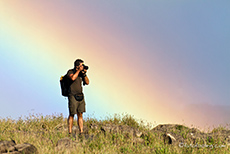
(6, 146)
(171, 134)
(174, 134)
(13, 148)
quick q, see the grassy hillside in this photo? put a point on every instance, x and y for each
(112, 135)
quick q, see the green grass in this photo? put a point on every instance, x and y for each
(44, 132)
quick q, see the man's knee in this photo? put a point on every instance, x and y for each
(79, 114)
(71, 116)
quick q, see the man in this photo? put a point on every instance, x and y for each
(76, 99)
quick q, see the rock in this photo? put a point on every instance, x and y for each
(174, 127)
(106, 128)
(127, 131)
(138, 140)
(137, 133)
(6, 146)
(65, 143)
(123, 129)
(174, 134)
(15, 152)
(93, 126)
(86, 137)
(26, 148)
(12, 148)
(169, 139)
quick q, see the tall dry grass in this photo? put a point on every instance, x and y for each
(45, 131)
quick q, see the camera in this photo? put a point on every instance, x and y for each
(85, 67)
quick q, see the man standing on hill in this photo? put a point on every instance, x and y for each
(76, 99)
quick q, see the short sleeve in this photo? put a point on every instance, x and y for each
(69, 72)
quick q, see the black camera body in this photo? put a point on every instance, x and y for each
(85, 67)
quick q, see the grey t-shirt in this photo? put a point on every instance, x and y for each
(76, 86)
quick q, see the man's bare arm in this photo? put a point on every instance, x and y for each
(86, 80)
(75, 75)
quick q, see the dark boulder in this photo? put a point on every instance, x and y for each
(26, 148)
(7, 146)
(12, 148)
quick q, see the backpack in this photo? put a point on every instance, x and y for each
(65, 83)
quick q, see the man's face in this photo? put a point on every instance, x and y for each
(79, 65)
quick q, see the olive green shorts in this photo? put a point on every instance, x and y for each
(75, 106)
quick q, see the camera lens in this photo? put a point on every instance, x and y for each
(85, 67)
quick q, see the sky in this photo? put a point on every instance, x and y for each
(159, 61)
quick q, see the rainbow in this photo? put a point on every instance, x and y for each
(40, 40)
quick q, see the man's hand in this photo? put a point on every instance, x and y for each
(85, 78)
(79, 68)
(84, 71)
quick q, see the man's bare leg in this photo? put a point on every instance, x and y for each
(80, 121)
(70, 123)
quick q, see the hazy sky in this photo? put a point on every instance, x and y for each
(161, 61)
